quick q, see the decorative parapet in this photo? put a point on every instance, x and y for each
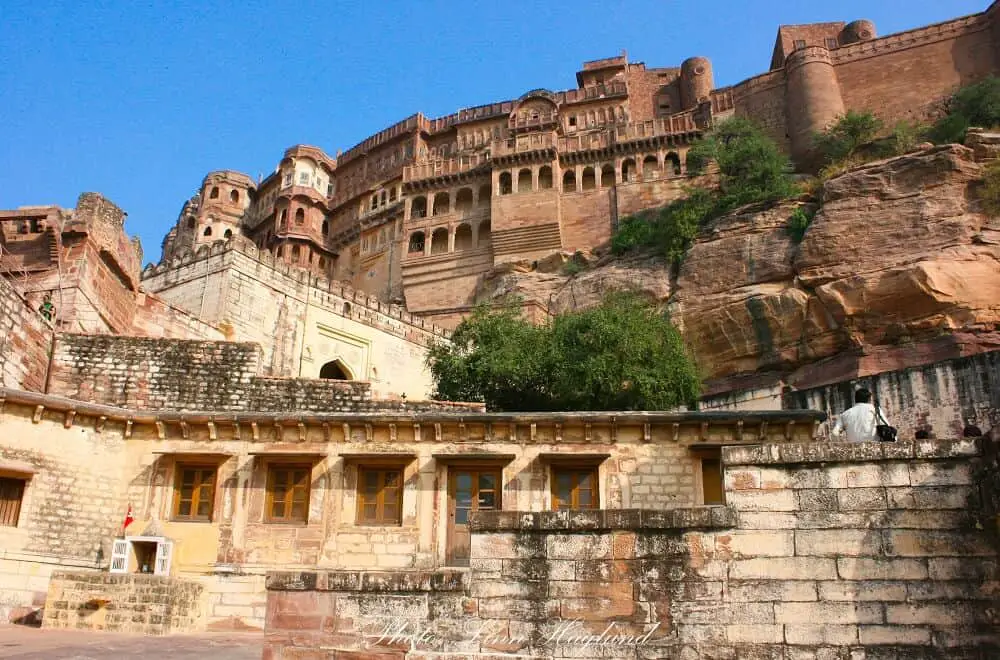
(862, 452)
(370, 581)
(911, 38)
(603, 520)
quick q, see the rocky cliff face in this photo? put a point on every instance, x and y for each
(898, 254)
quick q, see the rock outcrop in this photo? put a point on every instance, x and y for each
(898, 253)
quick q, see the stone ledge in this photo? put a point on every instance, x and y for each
(843, 452)
(402, 581)
(569, 522)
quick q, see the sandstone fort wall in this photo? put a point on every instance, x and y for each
(830, 551)
(24, 341)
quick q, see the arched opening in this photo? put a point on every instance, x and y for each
(607, 176)
(545, 178)
(628, 170)
(463, 200)
(524, 181)
(418, 208)
(650, 165)
(300, 216)
(675, 162)
(215, 193)
(228, 233)
(588, 181)
(485, 192)
(296, 253)
(335, 370)
(283, 218)
(441, 203)
(322, 263)
(439, 241)
(234, 197)
(207, 232)
(463, 237)
(483, 234)
(326, 227)
(506, 183)
(416, 242)
(346, 308)
(569, 181)
(190, 223)
(280, 252)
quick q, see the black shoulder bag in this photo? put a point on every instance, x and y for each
(884, 432)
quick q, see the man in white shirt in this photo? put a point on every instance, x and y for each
(859, 420)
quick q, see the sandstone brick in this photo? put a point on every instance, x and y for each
(863, 590)
(963, 569)
(755, 634)
(579, 546)
(740, 543)
(828, 612)
(783, 568)
(750, 500)
(938, 474)
(838, 542)
(862, 568)
(924, 543)
(929, 497)
(849, 499)
(821, 634)
(772, 590)
(933, 614)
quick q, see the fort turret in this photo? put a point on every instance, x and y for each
(696, 81)
(813, 99)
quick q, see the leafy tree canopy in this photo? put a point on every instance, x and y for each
(975, 105)
(621, 355)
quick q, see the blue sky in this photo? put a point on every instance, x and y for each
(138, 101)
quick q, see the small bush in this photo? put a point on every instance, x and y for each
(798, 223)
(989, 193)
(842, 140)
(575, 264)
(634, 231)
(671, 228)
(975, 105)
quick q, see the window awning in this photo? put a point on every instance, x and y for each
(290, 455)
(480, 456)
(396, 457)
(16, 469)
(194, 454)
(586, 458)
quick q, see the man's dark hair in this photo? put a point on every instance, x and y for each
(971, 431)
(923, 434)
(862, 396)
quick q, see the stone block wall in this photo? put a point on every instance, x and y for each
(24, 342)
(824, 551)
(141, 604)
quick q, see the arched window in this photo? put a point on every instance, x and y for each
(418, 208)
(416, 242)
(628, 170)
(506, 183)
(439, 241)
(463, 237)
(674, 160)
(283, 218)
(545, 178)
(442, 202)
(234, 197)
(207, 232)
(300, 216)
(296, 253)
(569, 181)
(215, 193)
(346, 308)
(485, 192)
(588, 181)
(190, 223)
(607, 176)
(228, 233)
(335, 370)
(463, 200)
(650, 165)
(326, 227)
(524, 181)
(483, 234)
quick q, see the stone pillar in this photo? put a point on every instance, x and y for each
(812, 99)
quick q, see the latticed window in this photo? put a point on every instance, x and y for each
(288, 493)
(194, 492)
(574, 488)
(380, 496)
(11, 495)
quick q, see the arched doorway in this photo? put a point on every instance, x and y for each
(335, 370)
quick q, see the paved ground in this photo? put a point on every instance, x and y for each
(27, 643)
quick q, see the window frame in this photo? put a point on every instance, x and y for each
(269, 487)
(591, 470)
(362, 497)
(15, 482)
(179, 469)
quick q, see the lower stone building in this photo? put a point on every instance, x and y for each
(221, 498)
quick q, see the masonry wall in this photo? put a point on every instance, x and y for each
(24, 342)
(74, 500)
(157, 318)
(138, 604)
(300, 322)
(825, 551)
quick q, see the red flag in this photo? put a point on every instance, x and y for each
(128, 518)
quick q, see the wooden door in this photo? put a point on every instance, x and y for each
(469, 489)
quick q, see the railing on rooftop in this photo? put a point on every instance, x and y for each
(616, 88)
(457, 165)
(523, 143)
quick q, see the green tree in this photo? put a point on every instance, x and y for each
(975, 105)
(621, 355)
(844, 138)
